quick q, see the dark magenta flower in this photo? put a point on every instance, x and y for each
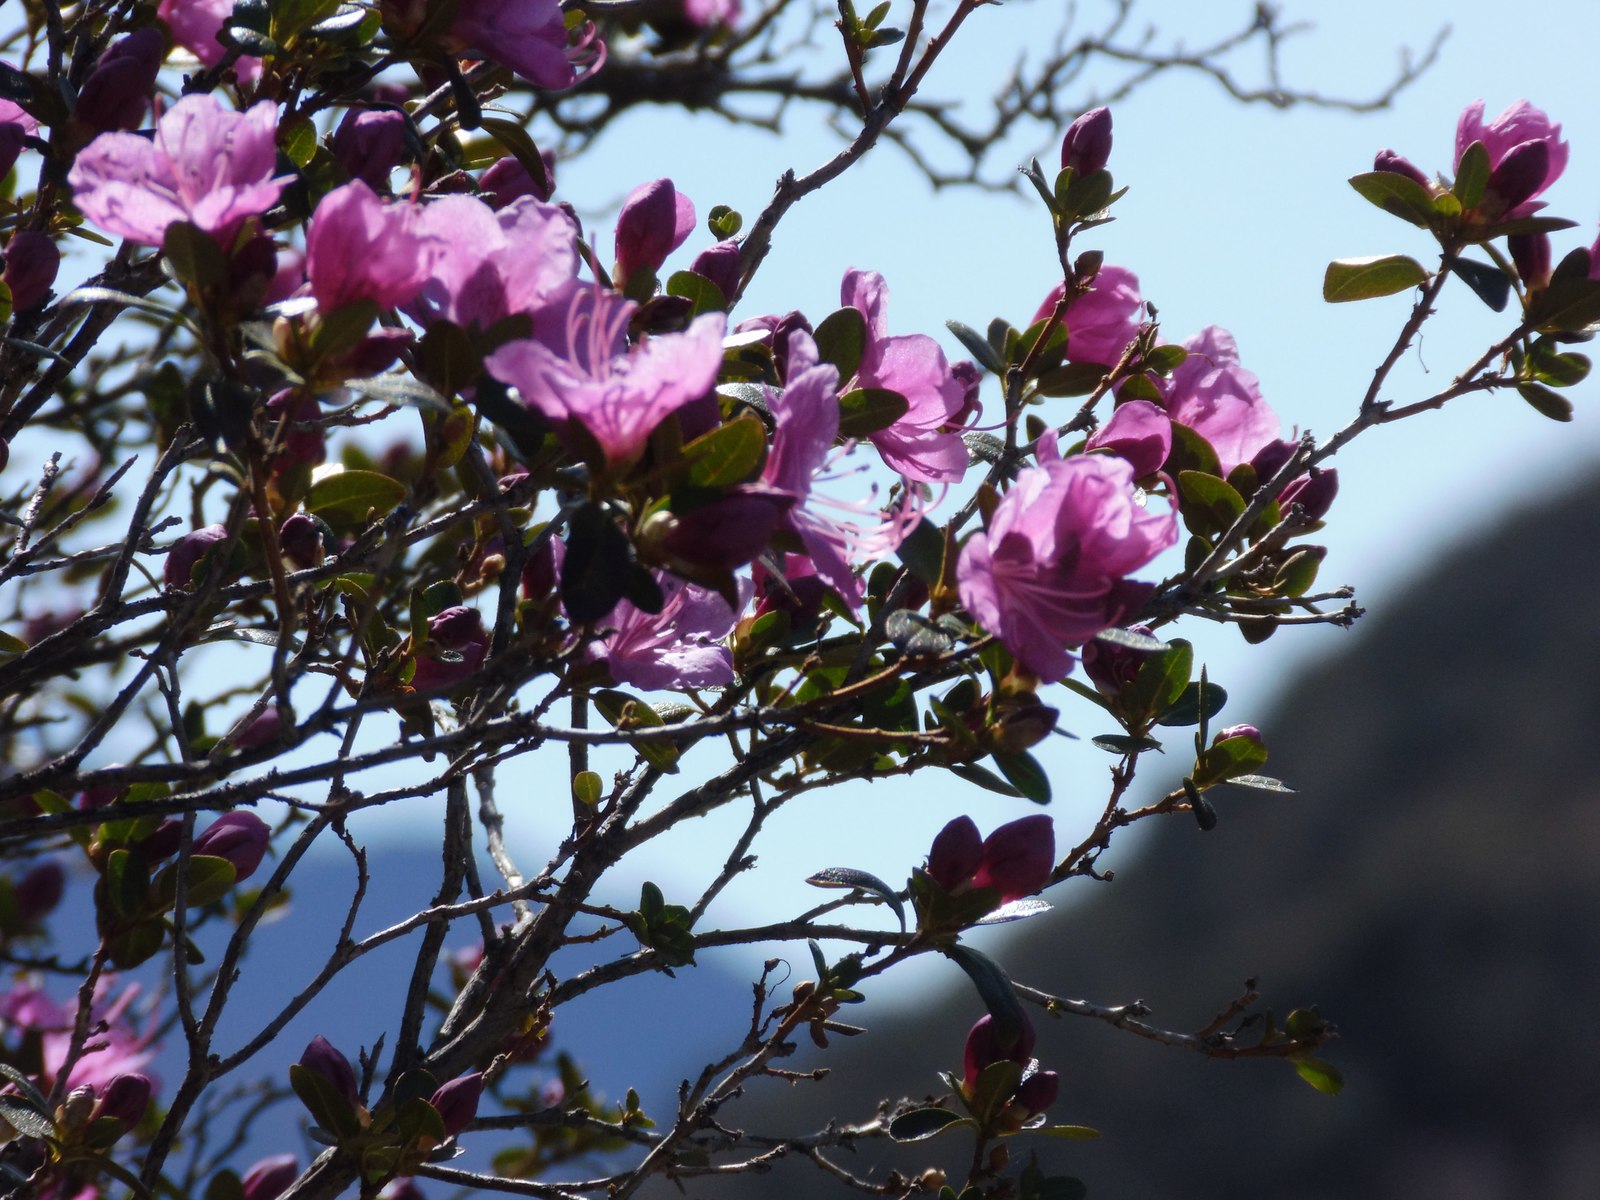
(207, 165)
(925, 442)
(1238, 731)
(370, 143)
(956, 854)
(1016, 859)
(239, 837)
(125, 1099)
(726, 533)
(1138, 431)
(720, 264)
(188, 552)
(32, 260)
(39, 891)
(1531, 254)
(1111, 667)
(655, 220)
(984, 1046)
(457, 1101)
(683, 645)
(1051, 570)
(321, 1058)
(460, 634)
(593, 378)
(1526, 153)
(300, 537)
(507, 179)
(1104, 320)
(117, 93)
(1036, 1093)
(1086, 147)
(270, 1178)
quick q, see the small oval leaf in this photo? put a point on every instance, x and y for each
(1366, 278)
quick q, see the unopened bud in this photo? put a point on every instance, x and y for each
(116, 95)
(302, 541)
(1520, 175)
(369, 144)
(188, 552)
(654, 222)
(507, 179)
(271, 1177)
(1531, 254)
(1018, 857)
(39, 891)
(239, 837)
(32, 261)
(457, 1101)
(1087, 145)
(956, 854)
(1395, 164)
(126, 1098)
(720, 263)
(321, 1058)
(1238, 731)
(1037, 1092)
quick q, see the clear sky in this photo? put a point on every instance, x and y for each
(1232, 215)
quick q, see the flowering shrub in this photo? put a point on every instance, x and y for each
(425, 486)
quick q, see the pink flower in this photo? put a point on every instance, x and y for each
(655, 220)
(1037, 1089)
(1221, 401)
(196, 24)
(806, 414)
(507, 179)
(925, 443)
(683, 645)
(457, 1101)
(206, 165)
(485, 265)
(360, 248)
(1526, 153)
(1050, 571)
(707, 14)
(114, 1047)
(1101, 322)
(370, 143)
(529, 36)
(594, 380)
(1140, 432)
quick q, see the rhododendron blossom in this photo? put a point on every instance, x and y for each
(1520, 132)
(1214, 395)
(529, 36)
(683, 645)
(113, 1048)
(615, 393)
(484, 265)
(207, 165)
(807, 423)
(925, 443)
(1051, 570)
(1104, 320)
(361, 248)
(196, 24)
(1138, 431)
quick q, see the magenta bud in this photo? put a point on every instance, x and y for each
(507, 179)
(956, 854)
(540, 570)
(39, 890)
(301, 540)
(239, 837)
(322, 1058)
(460, 632)
(727, 533)
(1140, 432)
(271, 1177)
(1269, 460)
(1520, 175)
(1018, 857)
(302, 441)
(984, 1046)
(1531, 254)
(654, 221)
(187, 553)
(1087, 144)
(1313, 492)
(1235, 731)
(32, 261)
(457, 1101)
(116, 95)
(1111, 667)
(164, 842)
(369, 144)
(720, 263)
(266, 728)
(1396, 164)
(1037, 1092)
(125, 1099)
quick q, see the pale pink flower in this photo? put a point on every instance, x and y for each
(1215, 396)
(925, 443)
(207, 165)
(483, 265)
(360, 248)
(593, 379)
(1104, 320)
(196, 24)
(683, 645)
(1051, 570)
(706, 14)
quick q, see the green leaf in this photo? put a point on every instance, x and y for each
(724, 222)
(864, 411)
(923, 551)
(1572, 301)
(224, 1185)
(1016, 910)
(1070, 1133)
(599, 559)
(730, 454)
(586, 788)
(917, 635)
(1164, 360)
(1130, 639)
(348, 499)
(1488, 282)
(1187, 709)
(1365, 278)
(24, 1118)
(994, 988)
(1472, 175)
(1228, 758)
(849, 877)
(127, 884)
(1545, 402)
(920, 1124)
(703, 295)
(514, 138)
(976, 346)
(1323, 1076)
(1023, 772)
(194, 254)
(1398, 195)
(1209, 505)
(984, 778)
(626, 712)
(1117, 743)
(1070, 379)
(842, 340)
(210, 877)
(29, 1093)
(326, 1104)
(1161, 679)
(1551, 366)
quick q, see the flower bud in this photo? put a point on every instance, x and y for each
(1531, 254)
(507, 179)
(984, 1047)
(187, 553)
(164, 842)
(1314, 492)
(116, 95)
(1233, 731)
(727, 533)
(956, 854)
(369, 144)
(541, 569)
(1138, 431)
(1087, 144)
(459, 631)
(32, 261)
(720, 263)
(125, 1099)
(39, 891)
(324, 1060)
(1519, 176)
(266, 728)
(457, 1101)
(1111, 667)
(654, 221)
(1018, 857)
(301, 540)
(1037, 1092)
(1395, 164)
(239, 837)
(77, 1109)
(271, 1177)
